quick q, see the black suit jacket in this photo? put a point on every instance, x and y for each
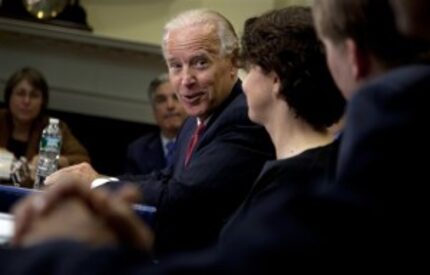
(145, 155)
(383, 152)
(193, 202)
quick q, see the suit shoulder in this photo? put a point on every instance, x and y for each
(401, 78)
(236, 111)
(146, 139)
(400, 85)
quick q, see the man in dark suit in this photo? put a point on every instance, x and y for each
(387, 82)
(155, 150)
(219, 150)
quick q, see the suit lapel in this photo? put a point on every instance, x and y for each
(212, 127)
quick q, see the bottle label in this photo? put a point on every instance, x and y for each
(51, 143)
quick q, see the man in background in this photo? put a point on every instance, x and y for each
(154, 151)
(385, 78)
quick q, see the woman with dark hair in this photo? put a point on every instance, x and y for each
(288, 86)
(26, 97)
(290, 92)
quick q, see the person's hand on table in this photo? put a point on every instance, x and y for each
(82, 173)
(72, 211)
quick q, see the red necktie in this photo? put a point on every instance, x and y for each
(193, 142)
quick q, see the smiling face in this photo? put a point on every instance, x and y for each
(25, 102)
(168, 111)
(200, 75)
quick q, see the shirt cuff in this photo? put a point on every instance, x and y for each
(101, 181)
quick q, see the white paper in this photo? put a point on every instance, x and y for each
(6, 159)
(6, 227)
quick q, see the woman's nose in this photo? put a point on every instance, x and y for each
(26, 99)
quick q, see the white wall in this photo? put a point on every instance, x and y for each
(85, 77)
(143, 20)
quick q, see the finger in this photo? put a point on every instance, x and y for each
(104, 204)
(62, 173)
(129, 193)
(21, 215)
(98, 201)
(82, 173)
(120, 217)
(34, 160)
(129, 227)
(58, 192)
(54, 177)
(25, 212)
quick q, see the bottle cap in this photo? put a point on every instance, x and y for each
(53, 120)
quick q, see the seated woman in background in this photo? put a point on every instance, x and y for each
(22, 122)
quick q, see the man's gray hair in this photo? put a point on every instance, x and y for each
(226, 33)
(155, 83)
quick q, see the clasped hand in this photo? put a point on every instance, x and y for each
(72, 211)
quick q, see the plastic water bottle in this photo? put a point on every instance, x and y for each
(49, 152)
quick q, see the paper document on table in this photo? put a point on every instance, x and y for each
(6, 160)
(6, 227)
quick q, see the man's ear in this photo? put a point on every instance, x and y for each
(358, 59)
(235, 60)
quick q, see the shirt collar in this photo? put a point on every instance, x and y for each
(164, 141)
